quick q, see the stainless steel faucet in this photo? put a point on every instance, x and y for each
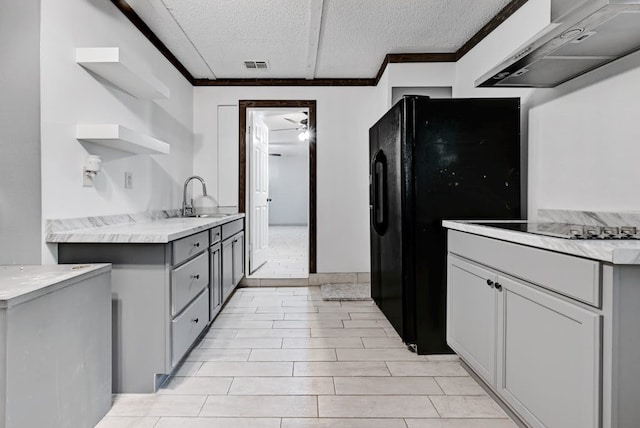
(188, 210)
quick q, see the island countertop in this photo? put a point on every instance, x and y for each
(158, 231)
(19, 284)
(618, 252)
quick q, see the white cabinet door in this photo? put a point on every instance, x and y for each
(471, 315)
(548, 358)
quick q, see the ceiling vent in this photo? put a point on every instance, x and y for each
(256, 65)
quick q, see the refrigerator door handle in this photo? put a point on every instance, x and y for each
(380, 217)
(379, 206)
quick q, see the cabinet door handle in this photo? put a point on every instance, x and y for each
(498, 286)
(490, 283)
(197, 244)
(195, 276)
(195, 320)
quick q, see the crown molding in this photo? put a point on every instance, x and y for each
(284, 82)
(135, 19)
(502, 16)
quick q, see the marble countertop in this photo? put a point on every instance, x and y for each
(615, 252)
(19, 284)
(158, 231)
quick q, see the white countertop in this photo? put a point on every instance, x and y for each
(159, 231)
(619, 252)
(19, 284)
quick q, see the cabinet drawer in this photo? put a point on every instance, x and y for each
(186, 328)
(231, 228)
(571, 276)
(187, 281)
(215, 235)
(189, 246)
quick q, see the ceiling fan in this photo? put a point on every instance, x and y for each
(299, 119)
(302, 122)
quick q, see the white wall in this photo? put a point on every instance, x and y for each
(398, 92)
(415, 75)
(382, 95)
(20, 209)
(70, 95)
(289, 184)
(344, 115)
(584, 141)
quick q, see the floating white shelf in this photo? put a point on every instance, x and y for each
(118, 137)
(124, 72)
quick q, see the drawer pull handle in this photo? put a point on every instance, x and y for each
(197, 244)
(195, 276)
(498, 286)
(195, 320)
(490, 283)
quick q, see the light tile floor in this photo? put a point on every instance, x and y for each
(288, 253)
(284, 358)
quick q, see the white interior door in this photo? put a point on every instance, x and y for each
(258, 204)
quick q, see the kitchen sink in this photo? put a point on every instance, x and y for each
(205, 215)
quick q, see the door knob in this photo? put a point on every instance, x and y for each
(269, 199)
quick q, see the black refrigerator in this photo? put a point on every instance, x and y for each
(435, 159)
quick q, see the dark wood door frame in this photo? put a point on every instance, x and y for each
(311, 105)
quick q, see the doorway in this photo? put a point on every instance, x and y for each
(277, 187)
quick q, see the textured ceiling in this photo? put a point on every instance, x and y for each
(309, 38)
(354, 40)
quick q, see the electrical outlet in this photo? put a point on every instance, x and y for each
(128, 180)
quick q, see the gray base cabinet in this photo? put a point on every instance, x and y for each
(548, 358)
(227, 268)
(55, 356)
(164, 297)
(238, 258)
(186, 327)
(471, 310)
(215, 278)
(555, 336)
(232, 256)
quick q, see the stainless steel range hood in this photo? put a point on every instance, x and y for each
(583, 35)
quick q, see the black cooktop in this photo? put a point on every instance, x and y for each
(569, 231)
